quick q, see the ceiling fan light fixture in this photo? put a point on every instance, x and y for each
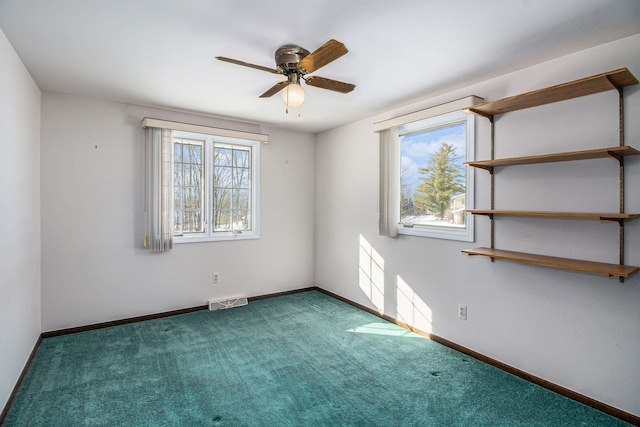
(293, 95)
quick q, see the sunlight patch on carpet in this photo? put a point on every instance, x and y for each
(379, 328)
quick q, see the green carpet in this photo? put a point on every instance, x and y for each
(298, 360)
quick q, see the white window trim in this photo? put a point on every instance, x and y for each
(216, 236)
(467, 233)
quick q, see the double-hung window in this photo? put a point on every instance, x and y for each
(216, 191)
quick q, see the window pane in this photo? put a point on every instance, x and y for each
(192, 199)
(222, 198)
(432, 177)
(241, 178)
(223, 157)
(188, 186)
(223, 177)
(193, 154)
(177, 197)
(177, 221)
(177, 174)
(241, 199)
(241, 220)
(222, 220)
(241, 158)
(192, 221)
(232, 188)
(192, 175)
(177, 153)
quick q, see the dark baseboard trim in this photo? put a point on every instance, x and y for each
(596, 404)
(279, 294)
(126, 321)
(16, 388)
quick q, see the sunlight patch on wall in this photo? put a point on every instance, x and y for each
(371, 274)
(411, 309)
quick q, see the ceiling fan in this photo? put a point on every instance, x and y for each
(294, 62)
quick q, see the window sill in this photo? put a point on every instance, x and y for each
(447, 233)
(217, 237)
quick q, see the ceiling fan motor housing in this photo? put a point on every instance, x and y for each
(288, 57)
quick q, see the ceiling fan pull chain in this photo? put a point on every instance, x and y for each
(286, 111)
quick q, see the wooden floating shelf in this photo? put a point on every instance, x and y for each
(600, 83)
(558, 215)
(615, 270)
(613, 80)
(598, 153)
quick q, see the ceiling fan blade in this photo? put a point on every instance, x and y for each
(329, 84)
(247, 64)
(274, 89)
(328, 52)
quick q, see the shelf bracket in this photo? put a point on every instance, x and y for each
(480, 113)
(492, 259)
(616, 156)
(487, 168)
(613, 83)
(620, 278)
(620, 221)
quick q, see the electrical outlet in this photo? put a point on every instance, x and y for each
(462, 312)
(215, 278)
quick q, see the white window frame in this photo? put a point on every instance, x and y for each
(209, 235)
(390, 164)
(467, 233)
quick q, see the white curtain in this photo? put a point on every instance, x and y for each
(389, 190)
(159, 189)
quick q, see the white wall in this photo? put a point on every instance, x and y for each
(19, 217)
(94, 268)
(574, 329)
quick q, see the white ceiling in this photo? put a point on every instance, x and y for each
(161, 53)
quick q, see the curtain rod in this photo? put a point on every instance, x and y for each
(148, 122)
(459, 104)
